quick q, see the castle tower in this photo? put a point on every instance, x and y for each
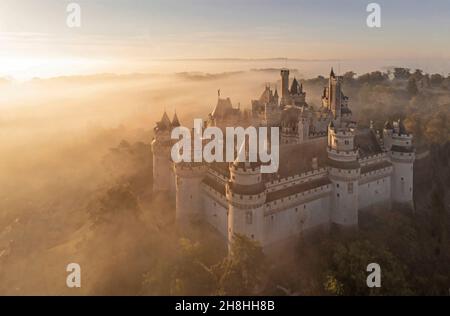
(388, 130)
(276, 97)
(189, 202)
(172, 177)
(246, 196)
(344, 172)
(284, 86)
(332, 97)
(303, 126)
(402, 155)
(272, 111)
(162, 162)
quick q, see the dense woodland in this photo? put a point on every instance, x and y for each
(411, 245)
(126, 240)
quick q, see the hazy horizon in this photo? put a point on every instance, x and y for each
(146, 36)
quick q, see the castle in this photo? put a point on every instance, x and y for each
(330, 170)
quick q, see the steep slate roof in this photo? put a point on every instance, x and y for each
(299, 188)
(367, 143)
(164, 124)
(266, 96)
(294, 87)
(297, 158)
(223, 108)
(175, 121)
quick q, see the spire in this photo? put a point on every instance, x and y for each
(175, 121)
(165, 119)
(294, 87)
(164, 124)
(332, 75)
(276, 93)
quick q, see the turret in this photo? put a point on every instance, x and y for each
(284, 86)
(402, 155)
(344, 172)
(189, 202)
(246, 195)
(162, 162)
(276, 97)
(295, 89)
(388, 130)
(303, 125)
(333, 98)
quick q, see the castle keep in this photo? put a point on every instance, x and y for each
(330, 170)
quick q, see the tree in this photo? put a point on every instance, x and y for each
(417, 75)
(401, 73)
(374, 77)
(349, 76)
(436, 80)
(191, 276)
(347, 270)
(243, 271)
(437, 129)
(116, 204)
(412, 87)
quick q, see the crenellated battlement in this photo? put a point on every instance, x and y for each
(329, 169)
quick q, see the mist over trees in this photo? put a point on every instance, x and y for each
(86, 197)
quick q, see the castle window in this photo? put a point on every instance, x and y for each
(304, 207)
(403, 179)
(347, 142)
(253, 236)
(271, 217)
(249, 218)
(337, 185)
(338, 195)
(350, 188)
(296, 209)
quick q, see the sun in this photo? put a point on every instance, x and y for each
(25, 68)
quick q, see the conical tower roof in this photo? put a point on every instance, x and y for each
(164, 123)
(294, 87)
(175, 121)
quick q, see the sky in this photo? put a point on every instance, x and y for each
(115, 34)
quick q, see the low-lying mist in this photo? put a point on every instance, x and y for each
(57, 161)
(76, 176)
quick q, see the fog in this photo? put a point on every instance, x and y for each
(76, 178)
(55, 136)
